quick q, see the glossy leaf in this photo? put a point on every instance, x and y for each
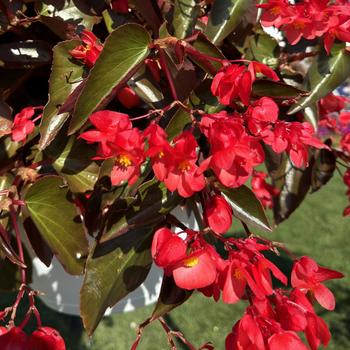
(74, 164)
(113, 270)
(325, 74)
(276, 89)
(63, 17)
(56, 219)
(124, 50)
(177, 123)
(186, 13)
(294, 183)
(63, 80)
(323, 168)
(152, 203)
(224, 17)
(170, 297)
(246, 206)
(263, 48)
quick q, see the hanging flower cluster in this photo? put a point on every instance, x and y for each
(309, 19)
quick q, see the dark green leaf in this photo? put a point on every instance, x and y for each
(56, 219)
(113, 270)
(202, 98)
(170, 297)
(185, 17)
(177, 123)
(325, 74)
(63, 80)
(224, 17)
(124, 50)
(246, 206)
(276, 89)
(114, 19)
(75, 165)
(263, 48)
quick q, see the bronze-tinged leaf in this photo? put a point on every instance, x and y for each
(65, 77)
(185, 17)
(170, 297)
(123, 52)
(276, 89)
(113, 270)
(323, 168)
(325, 74)
(294, 183)
(56, 219)
(224, 17)
(246, 207)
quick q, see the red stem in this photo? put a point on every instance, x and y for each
(164, 67)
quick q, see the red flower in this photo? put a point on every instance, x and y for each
(182, 174)
(108, 125)
(14, 339)
(286, 341)
(246, 334)
(46, 338)
(277, 12)
(128, 148)
(23, 125)
(294, 138)
(121, 6)
(89, 51)
(128, 98)
(191, 268)
(307, 276)
(264, 191)
(332, 103)
(345, 143)
(218, 214)
(233, 152)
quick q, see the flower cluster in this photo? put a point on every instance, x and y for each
(263, 190)
(309, 19)
(274, 316)
(44, 338)
(346, 179)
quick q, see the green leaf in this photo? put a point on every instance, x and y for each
(113, 270)
(294, 183)
(64, 74)
(263, 48)
(177, 123)
(63, 17)
(325, 74)
(75, 165)
(276, 89)
(152, 203)
(170, 297)
(224, 17)
(246, 206)
(56, 219)
(185, 17)
(124, 50)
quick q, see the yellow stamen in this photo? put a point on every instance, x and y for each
(299, 25)
(124, 161)
(161, 154)
(185, 166)
(192, 261)
(238, 274)
(275, 10)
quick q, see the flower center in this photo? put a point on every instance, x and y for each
(191, 261)
(124, 161)
(185, 165)
(237, 274)
(275, 10)
(161, 154)
(299, 25)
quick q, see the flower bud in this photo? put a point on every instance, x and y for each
(14, 339)
(128, 98)
(46, 338)
(218, 214)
